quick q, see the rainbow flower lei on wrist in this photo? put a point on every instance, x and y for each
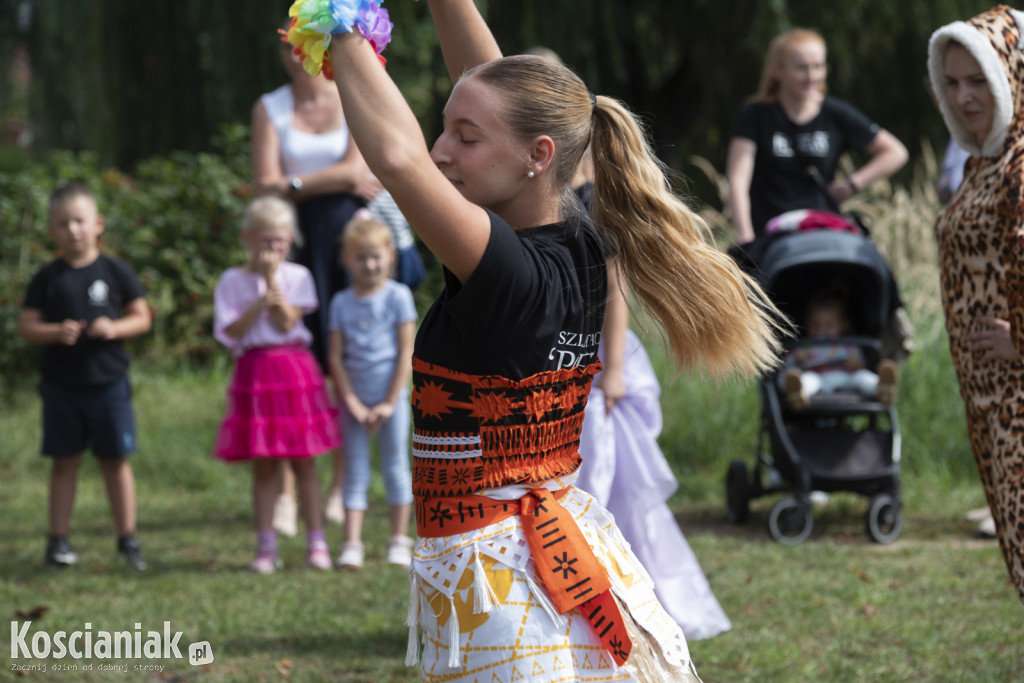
(315, 21)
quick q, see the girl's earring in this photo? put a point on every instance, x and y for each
(529, 174)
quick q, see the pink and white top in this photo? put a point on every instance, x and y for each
(238, 288)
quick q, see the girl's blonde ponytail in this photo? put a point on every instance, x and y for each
(715, 317)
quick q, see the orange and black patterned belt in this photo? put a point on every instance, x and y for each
(565, 562)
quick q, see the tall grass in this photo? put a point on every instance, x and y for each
(901, 219)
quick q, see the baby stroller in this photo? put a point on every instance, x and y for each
(840, 441)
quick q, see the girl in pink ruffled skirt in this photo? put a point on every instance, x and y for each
(277, 405)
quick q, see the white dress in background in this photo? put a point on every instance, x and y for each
(624, 468)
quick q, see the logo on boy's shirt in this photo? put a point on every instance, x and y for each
(574, 349)
(99, 293)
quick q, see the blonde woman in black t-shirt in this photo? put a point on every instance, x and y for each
(788, 138)
(515, 568)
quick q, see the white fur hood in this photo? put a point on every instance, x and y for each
(994, 39)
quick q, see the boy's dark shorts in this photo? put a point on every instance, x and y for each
(100, 417)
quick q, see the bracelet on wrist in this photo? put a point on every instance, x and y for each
(315, 21)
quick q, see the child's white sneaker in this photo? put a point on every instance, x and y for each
(351, 556)
(266, 563)
(334, 508)
(978, 514)
(819, 497)
(318, 555)
(987, 527)
(400, 550)
(285, 513)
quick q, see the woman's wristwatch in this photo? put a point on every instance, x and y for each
(294, 184)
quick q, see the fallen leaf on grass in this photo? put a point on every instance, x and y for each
(36, 612)
(862, 576)
(868, 610)
(284, 667)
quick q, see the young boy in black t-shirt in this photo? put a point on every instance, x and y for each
(79, 307)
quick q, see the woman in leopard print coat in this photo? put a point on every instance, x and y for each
(977, 72)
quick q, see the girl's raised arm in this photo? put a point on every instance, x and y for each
(465, 39)
(389, 136)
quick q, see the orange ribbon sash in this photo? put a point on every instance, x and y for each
(565, 562)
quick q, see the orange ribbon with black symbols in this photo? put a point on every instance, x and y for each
(565, 562)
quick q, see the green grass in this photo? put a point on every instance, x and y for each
(933, 606)
(195, 523)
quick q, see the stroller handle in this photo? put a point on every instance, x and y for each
(819, 182)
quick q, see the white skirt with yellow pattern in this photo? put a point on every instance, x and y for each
(484, 614)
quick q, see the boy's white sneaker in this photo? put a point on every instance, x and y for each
(59, 552)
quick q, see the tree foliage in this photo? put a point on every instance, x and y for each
(148, 100)
(174, 221)
(128, 79)
(688, 67)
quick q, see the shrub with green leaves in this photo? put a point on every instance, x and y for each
(175, 221)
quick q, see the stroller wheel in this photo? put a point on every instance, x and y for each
(790, 521)
(884, 518)
(737, 492)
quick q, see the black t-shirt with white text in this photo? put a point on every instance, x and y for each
(534, 303)
(785, 150)
(60, 292)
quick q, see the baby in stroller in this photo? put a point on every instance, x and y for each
(828, 367)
